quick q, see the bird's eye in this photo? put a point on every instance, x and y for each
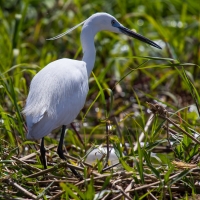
(113, 22)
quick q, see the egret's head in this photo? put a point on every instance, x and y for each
(105, 21)
(102, 22)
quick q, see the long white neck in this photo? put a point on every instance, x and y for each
(89, 51)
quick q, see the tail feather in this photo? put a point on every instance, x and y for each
(40, 129)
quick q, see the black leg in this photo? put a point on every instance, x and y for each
(42, 153)
(60, 145)
(60, 151)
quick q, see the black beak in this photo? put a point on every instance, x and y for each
(137, 36)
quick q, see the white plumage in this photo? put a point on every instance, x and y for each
(53, 99)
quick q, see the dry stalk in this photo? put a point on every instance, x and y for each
(123, 192)
(20, 188)
(32, 155)
(62, 164)
(78, 135)
(129, 188)
(105, 176)
(25, 164)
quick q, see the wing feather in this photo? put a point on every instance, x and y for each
(57, 94)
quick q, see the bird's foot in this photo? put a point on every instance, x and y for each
(61, 155)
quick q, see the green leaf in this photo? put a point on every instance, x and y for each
(125, 165)
(180, 176)
(148, 162)
(100, 88)
(90, 192)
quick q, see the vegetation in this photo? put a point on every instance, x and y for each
(127, 75)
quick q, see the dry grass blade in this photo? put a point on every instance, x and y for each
(20, 188)
(60, 165)
(123, 192)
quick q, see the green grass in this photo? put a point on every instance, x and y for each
(127, 75)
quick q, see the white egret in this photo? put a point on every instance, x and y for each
(58, 92)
